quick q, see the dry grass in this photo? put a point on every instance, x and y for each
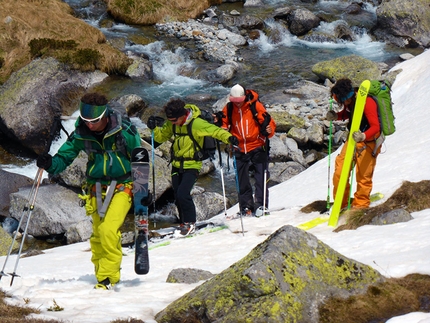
(395, 297)
(16, 314)
(149, 12)
(25, 20)
(410, 196)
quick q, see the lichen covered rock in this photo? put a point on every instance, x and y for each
(284, 279)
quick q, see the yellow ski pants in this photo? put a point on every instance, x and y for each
(105, 240)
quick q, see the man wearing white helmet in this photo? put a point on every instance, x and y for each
(247, 119)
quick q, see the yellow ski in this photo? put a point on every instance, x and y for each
(346, 168)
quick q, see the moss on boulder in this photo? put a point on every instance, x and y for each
(354, 67)
(284, 279)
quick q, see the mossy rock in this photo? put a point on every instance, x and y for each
(354, 67)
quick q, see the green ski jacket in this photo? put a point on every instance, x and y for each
(107, 160)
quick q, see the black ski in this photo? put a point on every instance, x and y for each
(140, 174)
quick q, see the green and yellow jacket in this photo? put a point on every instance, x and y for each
(183, 149)
(107, 160)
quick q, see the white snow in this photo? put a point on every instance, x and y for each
(64, 275)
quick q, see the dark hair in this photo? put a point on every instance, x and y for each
(94, 99)
(342, 89)
(175, 108)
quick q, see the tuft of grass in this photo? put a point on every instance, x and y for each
(55, 307)
(395, 297)
(149, 12)
(411, 196)
(48, 28)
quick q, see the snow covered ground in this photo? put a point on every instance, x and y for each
(64, 275)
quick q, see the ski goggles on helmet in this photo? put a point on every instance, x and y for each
(92, 113)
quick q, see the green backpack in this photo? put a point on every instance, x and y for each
(380, 91)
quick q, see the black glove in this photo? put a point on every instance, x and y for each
(218, 116)
(159, 121)
(152, 122)
(233, 140)
(44, 161)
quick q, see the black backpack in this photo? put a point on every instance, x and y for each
(209, 144)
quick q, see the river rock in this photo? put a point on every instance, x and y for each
(56, 209)
(10, 183)
(354, 67)
(188, 275)
(300, 21)
(34, 98)
(5, 242)
(284, 279)
(404, 23)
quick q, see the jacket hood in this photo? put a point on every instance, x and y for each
(194, 113)
(251, 96)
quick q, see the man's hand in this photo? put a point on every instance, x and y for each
(233, 140)
(152, 122)
(358, 136)
(44, 161)
(218, 118)
(331, 115)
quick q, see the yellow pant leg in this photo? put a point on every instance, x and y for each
(106, 238)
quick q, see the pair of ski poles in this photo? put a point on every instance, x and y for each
(223, 185)
(25, 217)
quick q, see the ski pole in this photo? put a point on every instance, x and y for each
(153, 172)
(238, 191)
(29, 209)
(30, 194)
(329, 154)
(223, 191)
(264, 192)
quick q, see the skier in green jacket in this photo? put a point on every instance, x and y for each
(108, 141)
(184, 157)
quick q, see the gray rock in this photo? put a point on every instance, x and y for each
(56, 209)
(79, 232)
(188, 275)
(283, 279)
(10, 183)
(391, 217)
(42, 88)
(404, 23)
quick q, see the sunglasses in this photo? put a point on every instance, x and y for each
(173, 120)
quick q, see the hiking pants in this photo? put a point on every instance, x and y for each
(258, 159)
(182, 183)
(105, 240)
(365, 165)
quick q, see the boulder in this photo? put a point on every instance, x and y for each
(284, 279)
(354, 67)
(56, 209)
(10, 183)
(42, 88)
(404, 23)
